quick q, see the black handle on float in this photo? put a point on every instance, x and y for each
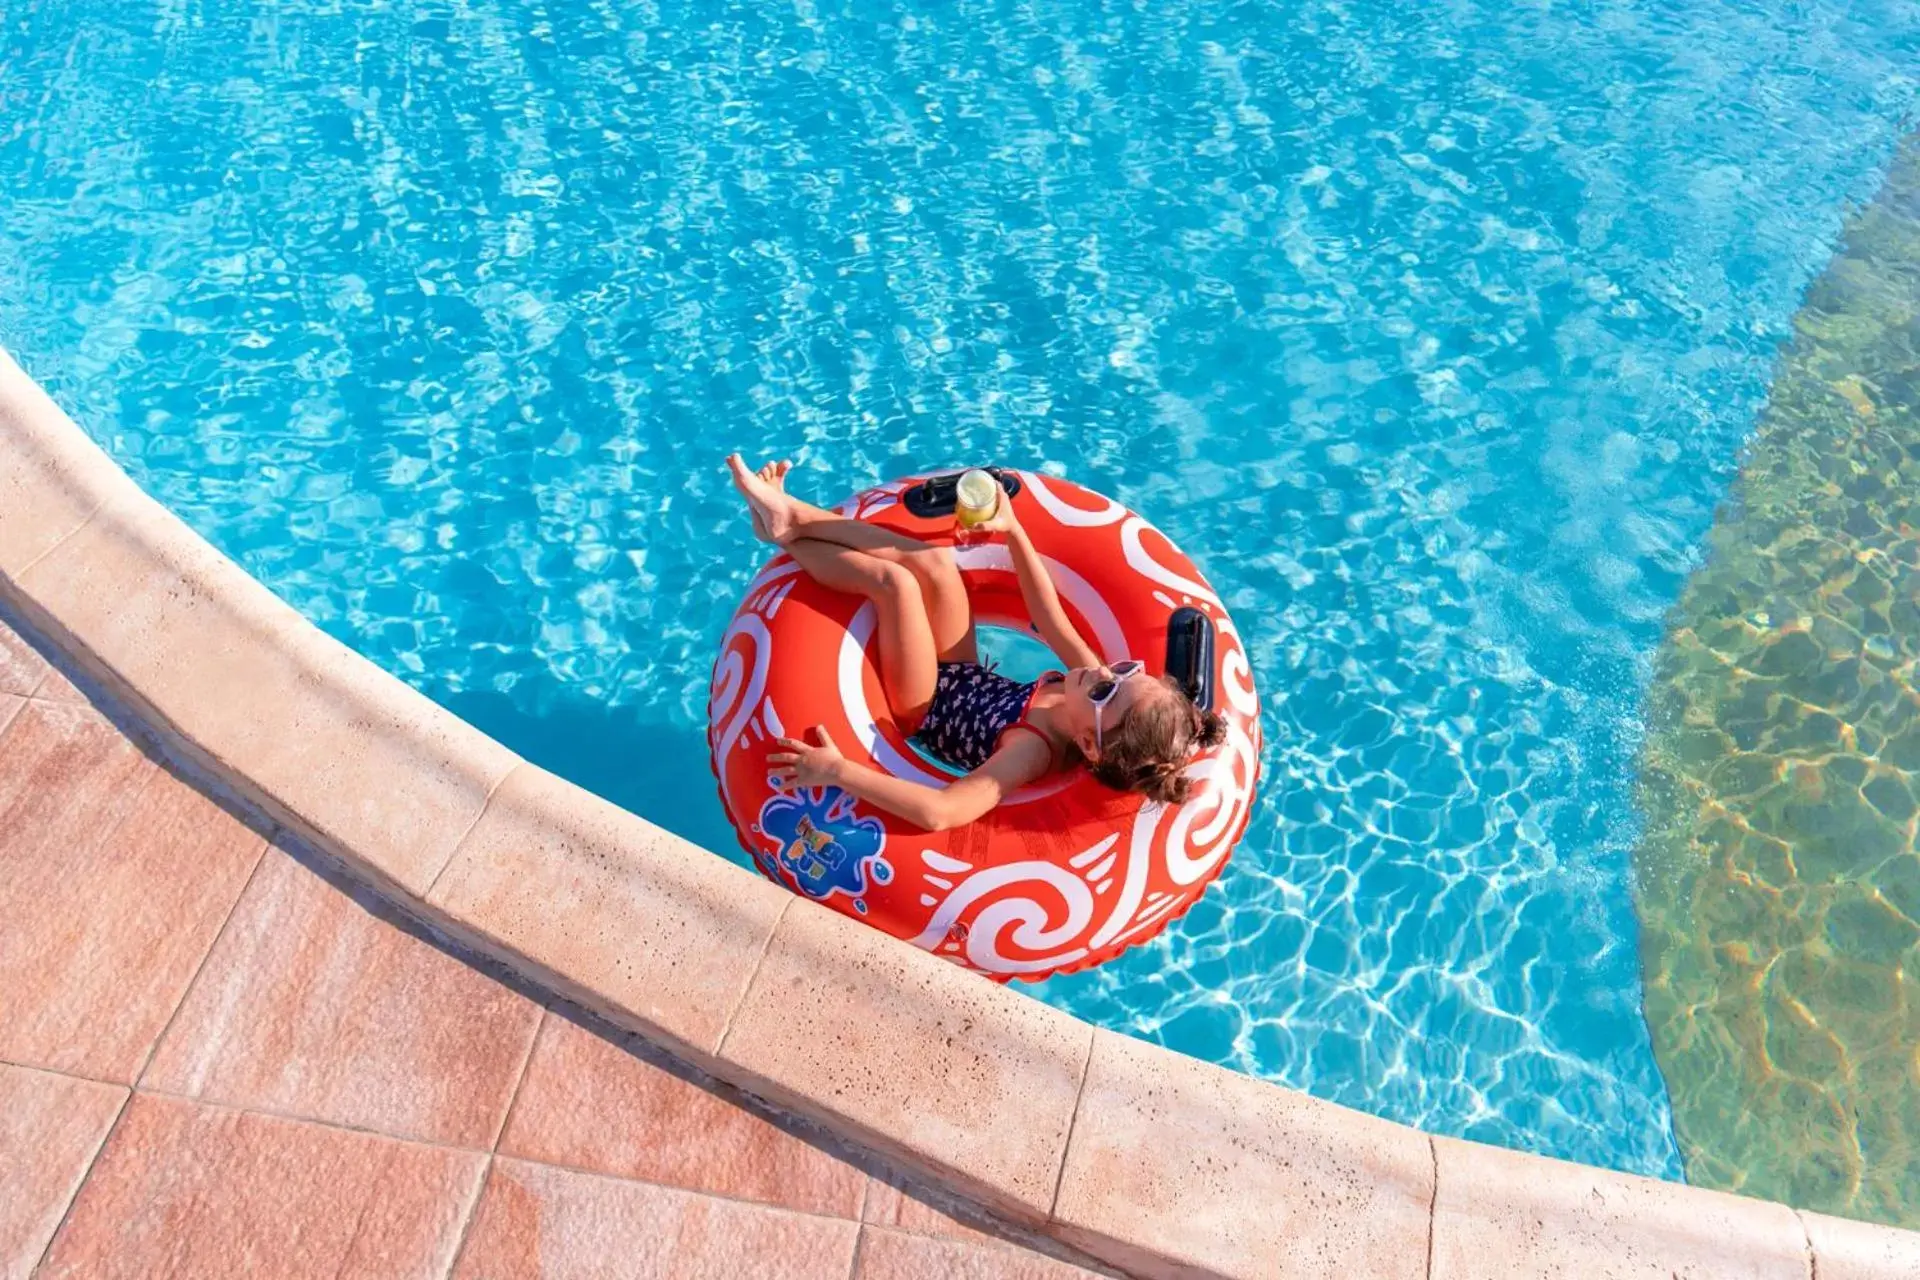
(1190, 654)
(935, 496)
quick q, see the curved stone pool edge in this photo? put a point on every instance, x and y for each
(1146, 1159)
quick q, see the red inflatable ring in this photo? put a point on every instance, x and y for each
(1064, 874)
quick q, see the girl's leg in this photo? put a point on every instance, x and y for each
(949, 612)
(781, 518)
(909, 658)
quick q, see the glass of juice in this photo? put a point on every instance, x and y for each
(975, 498)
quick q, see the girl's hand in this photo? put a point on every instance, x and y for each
(1003, 520)
(799, 764)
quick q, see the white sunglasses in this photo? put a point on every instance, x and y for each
(1104, 691)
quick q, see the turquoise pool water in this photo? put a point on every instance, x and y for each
(1433, 331)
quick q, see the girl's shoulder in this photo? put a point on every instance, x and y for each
(1028, 749)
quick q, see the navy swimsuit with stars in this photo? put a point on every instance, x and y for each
(973, 707)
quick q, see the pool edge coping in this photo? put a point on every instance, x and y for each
(1148, 1160)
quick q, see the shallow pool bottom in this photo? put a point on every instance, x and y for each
(1778, 878)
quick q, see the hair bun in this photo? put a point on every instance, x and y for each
(1162, 781)
(1212, 731)
(1172, 787)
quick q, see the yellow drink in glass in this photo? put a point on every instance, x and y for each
(975, 498)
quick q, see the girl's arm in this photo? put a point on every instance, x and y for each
(1037, 590)
(1023, 758)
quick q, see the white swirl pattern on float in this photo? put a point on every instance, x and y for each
(1222, 777)
(775, 570)
(738, 693)
(1065, 512)
(1236, 677)
(1142, 563)
(1093, 854)
(1146, 820)
(870, 502)
(1032, 932)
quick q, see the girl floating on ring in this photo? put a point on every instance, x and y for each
(1134, 732)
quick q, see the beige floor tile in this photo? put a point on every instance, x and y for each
(592, 1105)
(118, 927)
(57, 688)
(889, 1203)
(11, 704)
(66, 777)
(309, 1006)
(187, 1190)
(51, 1126)
(21, 669)
(894, 1255)
(539, 1223)
(67, 781)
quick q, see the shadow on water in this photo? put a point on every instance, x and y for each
(658, 770)
(647, 768)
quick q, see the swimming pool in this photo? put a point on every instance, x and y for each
(1434, 333)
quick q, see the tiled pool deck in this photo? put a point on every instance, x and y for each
(216, 1058)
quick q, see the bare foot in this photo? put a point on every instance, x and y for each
(765, 492)
(775, 474)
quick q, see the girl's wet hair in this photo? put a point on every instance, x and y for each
(1149, 750)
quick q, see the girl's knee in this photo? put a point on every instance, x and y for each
(936, 567)
(895, 580)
